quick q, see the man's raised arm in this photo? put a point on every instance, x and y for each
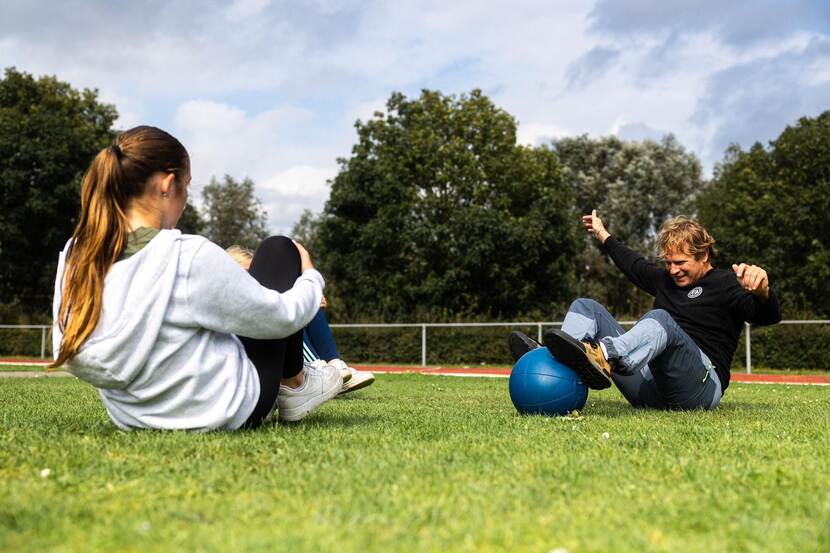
(633, 265)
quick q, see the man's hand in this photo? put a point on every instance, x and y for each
(593, 224)
(324, 303)
(753, 278)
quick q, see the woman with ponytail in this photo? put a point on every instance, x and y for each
(173, 333)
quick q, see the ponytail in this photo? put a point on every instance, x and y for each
(117, 174)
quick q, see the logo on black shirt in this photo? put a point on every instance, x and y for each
(694, 292)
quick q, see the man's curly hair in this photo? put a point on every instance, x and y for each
(686, 235)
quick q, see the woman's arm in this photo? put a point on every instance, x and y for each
(224, 297)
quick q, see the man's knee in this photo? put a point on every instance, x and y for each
(584, 306)
(662, 317)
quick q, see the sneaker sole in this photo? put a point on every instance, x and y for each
(520, 343)
(356, 386)
(299, 413)
(571, 352)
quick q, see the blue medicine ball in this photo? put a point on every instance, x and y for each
(541, 384)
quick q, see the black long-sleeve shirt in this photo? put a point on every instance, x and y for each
(711, 311)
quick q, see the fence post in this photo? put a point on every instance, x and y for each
(748, 349)
(43, 342)
(539, 334)
(424, 345)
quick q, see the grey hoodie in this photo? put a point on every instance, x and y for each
(164, 353)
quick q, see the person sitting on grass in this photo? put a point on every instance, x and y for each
(319, 347)
(171, 331)
(678, 356)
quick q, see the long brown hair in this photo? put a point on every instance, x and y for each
(119, 173)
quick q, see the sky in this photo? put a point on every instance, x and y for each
(271, 89)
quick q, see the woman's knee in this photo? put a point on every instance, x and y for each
(281, 247)
(276, 263)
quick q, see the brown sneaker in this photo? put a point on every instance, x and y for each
(584, 358)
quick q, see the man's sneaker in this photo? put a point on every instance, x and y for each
(359, 379)
(337, 364)
(584, 358)
(319, 386)
(520, 343)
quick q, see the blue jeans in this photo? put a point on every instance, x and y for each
(318, 340)
(661, 366)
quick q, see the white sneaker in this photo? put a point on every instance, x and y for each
(319, 386)
(337, 364)
(359, 379)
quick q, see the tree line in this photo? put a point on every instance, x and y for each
(49, 133)
(438, 214)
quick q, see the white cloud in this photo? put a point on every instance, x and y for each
(301, 181)
(366, 110)
(208, 117)
(286, 194)
(271, 90)
(224, 139)
(243, 9)
(638, 131)
(129, 113)
(753, 101)
(534, 134)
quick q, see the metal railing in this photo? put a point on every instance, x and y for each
(424, 326)
(44, 330)
(748, 338)
(539, 326)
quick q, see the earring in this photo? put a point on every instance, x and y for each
(164, 194)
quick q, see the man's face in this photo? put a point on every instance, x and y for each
(685, 269)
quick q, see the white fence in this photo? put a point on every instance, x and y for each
(539, 329)
(424, 326)
(44, 330)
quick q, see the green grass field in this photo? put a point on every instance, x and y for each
(757, 370)
(421, 463)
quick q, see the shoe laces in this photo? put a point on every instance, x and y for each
(593, 342)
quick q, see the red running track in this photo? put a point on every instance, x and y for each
(505, 371)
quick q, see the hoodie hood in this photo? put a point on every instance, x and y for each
(137, 292)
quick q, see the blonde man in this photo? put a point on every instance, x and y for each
(678, 355)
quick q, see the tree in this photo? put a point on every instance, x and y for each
(233, 214)
(305, 231)
(771, 207)
(191, 221)
(635, 186)
(49, 133)
(438, 213)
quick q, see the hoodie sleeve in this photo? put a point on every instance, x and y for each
(57, 334)
(223, 297)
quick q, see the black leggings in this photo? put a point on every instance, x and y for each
(276, 265)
